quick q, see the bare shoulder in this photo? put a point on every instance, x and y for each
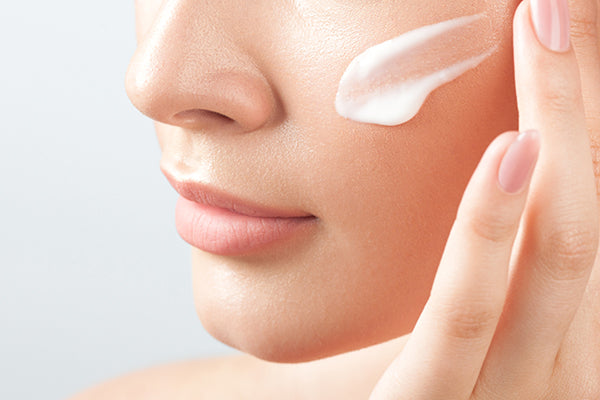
(242, 377)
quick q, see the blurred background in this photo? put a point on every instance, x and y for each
(94, 280)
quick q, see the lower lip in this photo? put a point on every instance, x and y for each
(223, 232)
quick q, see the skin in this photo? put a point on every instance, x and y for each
(520, 329)
(369, 261)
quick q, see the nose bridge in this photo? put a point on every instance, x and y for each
(189, 71)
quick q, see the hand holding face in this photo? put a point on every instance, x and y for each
(513, 312)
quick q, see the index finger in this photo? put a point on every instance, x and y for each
(460, 317)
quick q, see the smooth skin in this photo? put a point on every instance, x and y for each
(514, 312)
(243, 97)
(494, 326)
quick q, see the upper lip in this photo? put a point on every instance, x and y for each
(204, 194)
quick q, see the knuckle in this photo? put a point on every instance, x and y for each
(573, 250)
(560, 95)
(584, 29)
(594, 135)
(493, 228)
(469, 321)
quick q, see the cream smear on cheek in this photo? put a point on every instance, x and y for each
(388, 83)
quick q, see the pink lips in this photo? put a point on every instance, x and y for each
(221, 224)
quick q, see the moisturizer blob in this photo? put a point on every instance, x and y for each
(388, 83)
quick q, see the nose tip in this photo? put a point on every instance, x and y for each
(240, 101)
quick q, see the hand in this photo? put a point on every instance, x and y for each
(513, 313)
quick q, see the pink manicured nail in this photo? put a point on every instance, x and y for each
(551, 22)
(517, 164)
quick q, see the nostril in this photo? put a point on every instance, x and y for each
(200, 117)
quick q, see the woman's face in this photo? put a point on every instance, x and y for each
(243, 95)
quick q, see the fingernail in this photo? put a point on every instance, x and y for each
(518, 161)
(551, 23)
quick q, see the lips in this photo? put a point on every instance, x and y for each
(219, 223)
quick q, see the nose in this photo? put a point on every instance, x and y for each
(188, 73)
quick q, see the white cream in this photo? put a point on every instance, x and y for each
(388, 83)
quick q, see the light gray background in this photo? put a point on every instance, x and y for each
(94, 280)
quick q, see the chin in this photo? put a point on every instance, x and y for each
(267, 339)
(275, 348)
(272, 347)
(290, 309)
(281, 338)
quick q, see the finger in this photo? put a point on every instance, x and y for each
(585, 33)
(585, 37)
(459, 319)
(558, 238)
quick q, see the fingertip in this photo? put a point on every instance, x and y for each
(491, 158)
(518, 162)
(522, 25)
(551, 23)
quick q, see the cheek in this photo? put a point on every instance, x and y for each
(377, 184)
(386, 199)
